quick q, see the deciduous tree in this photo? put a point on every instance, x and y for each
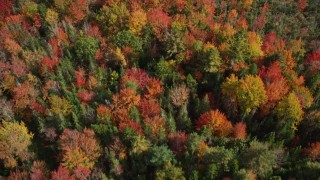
(137, 21)
(79, 148)
(15, 139)
(216, 121)
(240, 130)
(289, 110)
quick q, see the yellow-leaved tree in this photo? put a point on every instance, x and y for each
(247, 93)
(290, 111)
(255, 44)
(251, 93)
(60, 105)
(52, 17)
(14, 142)
(137, 21)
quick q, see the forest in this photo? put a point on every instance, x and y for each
(159, 89)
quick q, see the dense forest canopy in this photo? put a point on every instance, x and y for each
(159, 89)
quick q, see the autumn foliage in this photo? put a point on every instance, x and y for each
(313, 151)
(14, 142)
(216, 121)
(159, 89)
(79, 148)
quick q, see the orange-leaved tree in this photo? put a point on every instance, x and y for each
(79, 148)
(239, 130)
(216, 121)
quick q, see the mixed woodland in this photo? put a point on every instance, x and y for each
(159, 89)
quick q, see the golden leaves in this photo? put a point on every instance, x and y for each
(52, 17)
(137, 21)
(14, 142)
(79, 148)
(60, 105)
(289, 110)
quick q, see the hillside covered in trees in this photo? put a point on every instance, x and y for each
(159, 89)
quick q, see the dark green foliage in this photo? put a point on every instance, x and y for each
(127, 38)
(259, 158)
(166, 73)
(85, 48)
(159, 155)
(183, 122)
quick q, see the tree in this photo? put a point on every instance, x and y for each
(304, 95)
(39, 171)
(159, 155)
(49, 64)
(80, 77)
(179, 95)
(153, 88)
(155, 127)
(75, 157)
(289, 111)
(140, 145)
(177, 142)
(17, 174)
(59, 105)
(24, 95)
(85, 96)
(243, 174)
(170, 172)
(52, 17)
(218, 159)
(239, 130)
(122, 103)
(302, 4)
(127, 38)
(259, 158)
(103, 112)
(229, 91)
(136, 75)
(78, 10)
(79, 148)
(248, 93)
(113, 18)
(159, 20)
(269, 44)
(86, 48)
(216, 121)
(81, 173)
(14, 142)
(211, 58)
(30, 9)
(62, 174)
(313, 151)
(313, 61)
(149, 108)
(12, 46)
(137, 21)
(5, 8)
(251, 93)
(255, 44)
(61, 4)
(276, 85)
